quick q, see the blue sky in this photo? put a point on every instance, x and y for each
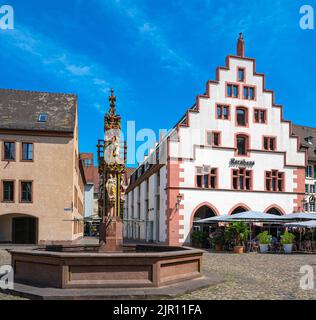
(157, 54)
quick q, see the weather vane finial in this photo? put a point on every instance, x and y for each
(112, 100)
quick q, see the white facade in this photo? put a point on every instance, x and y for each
(89, 200)
(190, 153)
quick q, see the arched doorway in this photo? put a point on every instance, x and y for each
(203, 212)
(275, 230)
(18, 229)
(239, 209)
(274, 211)
(24, 230)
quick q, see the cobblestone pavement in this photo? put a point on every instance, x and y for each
(256, 276)
(247, 276)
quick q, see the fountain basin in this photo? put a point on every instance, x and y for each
(83, 267)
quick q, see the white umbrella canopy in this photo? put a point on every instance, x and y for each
(249, 216)
(255, 216)
(223, 218)
(299, 216)
(304, 224)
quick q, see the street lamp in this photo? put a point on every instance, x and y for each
(179, 199)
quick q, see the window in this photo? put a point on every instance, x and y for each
(199, 181)
(242, 145)
(249, 93)
(216, 137)
(315, 171)
(9, 151)
(8, 191)
(306, 188)
(213, 179)
(43, 117)
(232, 90)
(241, 74)
(27, 151)
(269, 143)
(242, 179)
(312, 188)
(206, 177)
(241, 117)
(260, 116)
(275, 181)
(213, 138)
(309, 172)
(26, 191)
(312, 207)
(222, 112)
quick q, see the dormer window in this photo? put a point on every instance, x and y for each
(43, 117)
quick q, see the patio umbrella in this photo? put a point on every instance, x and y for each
(304, 224)
(223, 218)
(311, 224)
(254, 216)
(247, 216)
(299, 216)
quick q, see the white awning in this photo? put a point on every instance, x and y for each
(299, 216)
(249, 216)
(304, 224)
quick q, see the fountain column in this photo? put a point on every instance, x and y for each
(112, 165)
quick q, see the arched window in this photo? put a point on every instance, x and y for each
(275, 211)
(241, 117)
(239, 210)
(242, 143)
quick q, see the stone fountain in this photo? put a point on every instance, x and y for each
(111, 265)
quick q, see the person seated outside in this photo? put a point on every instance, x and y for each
(274, 244)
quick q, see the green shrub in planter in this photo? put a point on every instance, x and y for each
(287, 238)
(287, 241)
(264, 241)
(264, 237)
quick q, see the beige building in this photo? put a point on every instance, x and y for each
(41, 177)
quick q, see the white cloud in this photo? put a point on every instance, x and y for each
(43, 53)
(78, 71)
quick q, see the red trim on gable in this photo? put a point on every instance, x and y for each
(274, 105)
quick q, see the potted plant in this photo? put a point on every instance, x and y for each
(238, 232)
(287, 240)
(264, 241)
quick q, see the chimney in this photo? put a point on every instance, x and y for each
(241, 46)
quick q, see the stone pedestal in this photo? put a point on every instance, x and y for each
(111, 236)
